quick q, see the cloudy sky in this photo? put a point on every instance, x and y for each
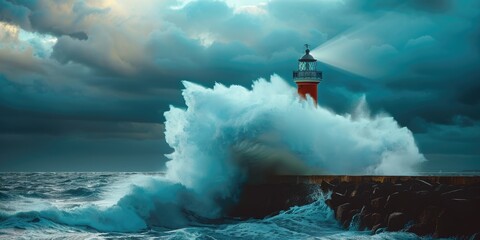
(84, 84)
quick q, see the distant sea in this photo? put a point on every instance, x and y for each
(93, 206)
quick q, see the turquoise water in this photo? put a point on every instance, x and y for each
(113, 206)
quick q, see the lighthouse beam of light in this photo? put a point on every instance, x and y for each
(354, 50)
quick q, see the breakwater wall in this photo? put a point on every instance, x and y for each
(438, 206)
(318, 179)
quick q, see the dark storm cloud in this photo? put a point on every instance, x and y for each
(13, 13)
(395, 5)
(15, 121)
(422, 55)
(69, 17)
(116, 66)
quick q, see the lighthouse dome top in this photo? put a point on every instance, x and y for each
(307, 57)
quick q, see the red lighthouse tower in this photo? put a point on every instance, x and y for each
(307, 77)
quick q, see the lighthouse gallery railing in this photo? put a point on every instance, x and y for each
(307, 74)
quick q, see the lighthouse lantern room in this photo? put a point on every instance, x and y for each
(307, 77)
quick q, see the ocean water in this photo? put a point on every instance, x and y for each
(98, 206)
(224, 137)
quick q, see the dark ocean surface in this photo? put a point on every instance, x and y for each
(100, 206)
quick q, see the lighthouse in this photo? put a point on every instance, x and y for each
(307, 77)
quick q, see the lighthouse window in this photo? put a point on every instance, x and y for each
(307, 66)
(302, 66)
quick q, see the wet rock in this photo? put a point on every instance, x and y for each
(337, 199)
(365, 193)
(343, 212)
(457, 193)
(396, 221)
(420, 229)
(378, 203)
(350, 217)
(458, 218)
(382, 190)
(443, 188)
(398, 201)
(429, 216)
(446, 225)
(473, 192)
(356, 202)
(365, 221)
(326, 186)
(362, 189)
(377, 228)
(366, 209)
(335, 181)
(426, 198)
(421, 185)
(426, 222)
(475, 236)
(400, 187)
(376, 219)
(434, 209)
(342, 188)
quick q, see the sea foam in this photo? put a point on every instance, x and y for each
(229, 135)
(227, 131)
